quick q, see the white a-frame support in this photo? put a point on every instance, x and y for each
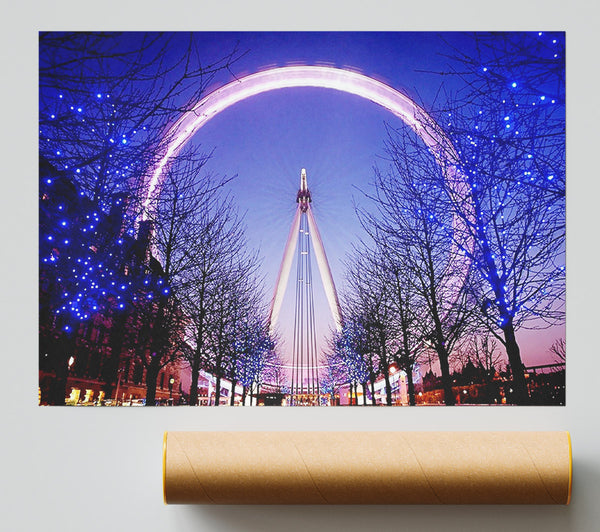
(304, 201)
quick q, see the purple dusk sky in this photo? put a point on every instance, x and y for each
(267, 139)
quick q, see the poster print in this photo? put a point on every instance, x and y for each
(302, 219)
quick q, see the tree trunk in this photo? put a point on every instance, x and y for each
(449, 399)
(520, 393)
(244, 393)
(364, 387)
(373, 391)
(232, 398)
(157, 345)
(194, 384)
(410, 385)
(151, 377)
(110, 372)
(218, 390)
(388, 389)
(58, 387)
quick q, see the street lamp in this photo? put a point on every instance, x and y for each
(70, 363)
(171, 382)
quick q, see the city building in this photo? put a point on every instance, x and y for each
(99, 358)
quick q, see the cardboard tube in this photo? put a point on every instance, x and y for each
(367, 467)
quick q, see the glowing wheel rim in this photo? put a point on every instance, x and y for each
(342, 80)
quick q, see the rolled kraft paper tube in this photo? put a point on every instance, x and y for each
(367, 467)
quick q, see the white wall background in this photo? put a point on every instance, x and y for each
(100, 469)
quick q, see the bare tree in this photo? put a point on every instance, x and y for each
(257, 361)
(482, 351)
(105, 101)
(217, 267)
(274, 372)
(351, 351)
(413, 224)
(336, 375)
(559, 350)
(508, 129)
(172, 233)
(368, 302)
(404, 299)
(250, 342)
(229, 304)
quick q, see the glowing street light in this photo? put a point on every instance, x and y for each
(171, 382)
